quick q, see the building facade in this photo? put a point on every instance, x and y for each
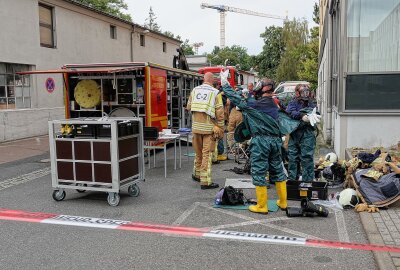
(359, 73)
(46, 35)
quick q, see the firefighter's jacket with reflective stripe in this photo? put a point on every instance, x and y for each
(203, 107)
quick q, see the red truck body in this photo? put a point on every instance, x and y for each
(233, 78)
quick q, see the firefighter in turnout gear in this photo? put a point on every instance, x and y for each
(207, 127)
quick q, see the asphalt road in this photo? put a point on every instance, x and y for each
(176, 200)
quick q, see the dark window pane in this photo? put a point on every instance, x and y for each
(2, 91)
(372, 92)
(10, 91)
(113, 32)
(142, 40)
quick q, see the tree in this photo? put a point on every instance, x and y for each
(268, 60)
(308, 70)
(187, 48)
(294, 34)
(236, 55)
(113, 7)
(169, 34)
(151, 22)
(316, 13)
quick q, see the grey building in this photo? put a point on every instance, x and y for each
(359, 73)
(45, 35)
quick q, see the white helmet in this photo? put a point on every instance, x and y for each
(332, 157)
(348, 198)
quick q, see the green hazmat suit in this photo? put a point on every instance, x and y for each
(266, 142)
(302, 143)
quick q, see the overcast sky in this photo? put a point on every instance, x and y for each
(187, 19)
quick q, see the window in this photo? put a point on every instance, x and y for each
(46, 26)
(14, 89)
(373, 34)
(113, 32)
(372, 92)
(142, 40)
(164, 47)
(373, 54)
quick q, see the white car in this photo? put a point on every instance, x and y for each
(285, 91)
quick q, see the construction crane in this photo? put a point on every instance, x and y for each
(222, 9)
(196, 46)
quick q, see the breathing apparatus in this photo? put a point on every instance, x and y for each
(304, 92)
(258, 89)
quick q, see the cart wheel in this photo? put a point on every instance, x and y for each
(113, 199)
(58, 195)
(133, 190)
(81, 185)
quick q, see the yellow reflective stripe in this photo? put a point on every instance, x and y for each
(203, 124)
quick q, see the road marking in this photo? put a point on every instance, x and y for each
(24, 178)
(185, 214)
(246, 223)
(48, 218)
(272, 226)
(341, 225)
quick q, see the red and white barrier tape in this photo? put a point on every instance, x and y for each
(16, 215)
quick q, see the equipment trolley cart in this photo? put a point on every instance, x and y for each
(103, 154)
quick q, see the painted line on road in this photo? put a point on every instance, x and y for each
(48, 218)
(271, 226)
(11, 182)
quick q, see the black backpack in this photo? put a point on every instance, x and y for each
(233, 196)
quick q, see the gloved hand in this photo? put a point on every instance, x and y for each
(314, 117)
(373, 209)
(305, 118)
(224, 77)
(218, 133)
(361, 207)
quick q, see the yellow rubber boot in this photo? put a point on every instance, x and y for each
(282, 194)
(222, 157)
(262, 197)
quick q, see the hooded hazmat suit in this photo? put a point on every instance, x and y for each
(301, 142)
(260, 118)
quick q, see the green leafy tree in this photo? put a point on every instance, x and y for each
(187, 48)
(308, 70)
(169, 34)
(316, 13)
(113, 7)
(151, 23)
(236, 56)
(295, 37)
(268, 60)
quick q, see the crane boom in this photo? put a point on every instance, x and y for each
(222, 9)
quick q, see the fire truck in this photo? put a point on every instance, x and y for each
(154, 92)
(234, 77)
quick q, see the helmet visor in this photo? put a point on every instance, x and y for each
(305, 92)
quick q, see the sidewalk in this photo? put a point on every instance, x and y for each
(382, 228)
(24, 148)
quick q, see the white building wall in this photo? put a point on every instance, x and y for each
(377, 131)
(81, 36)
(153, 49)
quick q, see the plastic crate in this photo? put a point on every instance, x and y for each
(297, 190)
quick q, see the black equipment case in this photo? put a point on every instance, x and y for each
(297, 190)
